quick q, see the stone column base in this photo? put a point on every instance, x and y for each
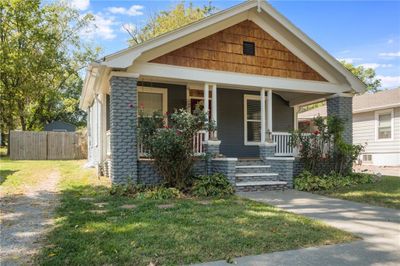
(212, 147)
(267, 150)
(225, 166)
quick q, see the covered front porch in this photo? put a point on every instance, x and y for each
(245, 117)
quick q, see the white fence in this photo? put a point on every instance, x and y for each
(198, 141)
(283, 147)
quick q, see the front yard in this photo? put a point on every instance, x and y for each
(93, 226)
(385, 192)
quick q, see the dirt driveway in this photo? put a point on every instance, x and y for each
(25, 218)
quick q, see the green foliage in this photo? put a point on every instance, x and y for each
(366, 75)
(216, 185)
(306, 181)
(325, 150)
(41, 53)
(165, 21)
(139, 191)
(171, 146)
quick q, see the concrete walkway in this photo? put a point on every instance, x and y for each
(379, 228)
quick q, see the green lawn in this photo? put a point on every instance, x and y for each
(16, 176)
(190, 231)
(385, 193)
(183, 231)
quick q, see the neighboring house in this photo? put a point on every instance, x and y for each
(376, 125)
(59, 126)
(250, 67)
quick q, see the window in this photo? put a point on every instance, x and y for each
(249, 48)
(367, 158)
(384, 126)
(151, 100)
(252, 119)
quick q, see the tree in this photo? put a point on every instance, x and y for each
(366, 75)
(41, 55)
(169, 20)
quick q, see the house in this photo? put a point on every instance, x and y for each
(376, 125)
(250, 66)
(60, 126)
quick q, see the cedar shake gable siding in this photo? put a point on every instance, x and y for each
(224, 51)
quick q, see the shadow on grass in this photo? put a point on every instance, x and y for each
(187, 232)
(6, 173)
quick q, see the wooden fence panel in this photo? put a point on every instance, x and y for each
(28, 145)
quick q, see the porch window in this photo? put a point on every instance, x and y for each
(252, 119)
(384, 124)
(151, 100)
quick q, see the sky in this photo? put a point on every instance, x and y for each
(364, 33)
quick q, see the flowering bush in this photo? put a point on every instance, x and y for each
(325, 150)
(171, 146)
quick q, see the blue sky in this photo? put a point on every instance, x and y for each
(361, 32)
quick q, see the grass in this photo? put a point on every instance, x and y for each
(16, 176)
(385, 193)
(189, 232)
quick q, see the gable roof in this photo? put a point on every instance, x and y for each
(126, 57)
(362, 103)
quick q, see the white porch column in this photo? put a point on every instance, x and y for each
(206, 108)
(295, 118)
(262, 95)
(269, 112)
(214, 107)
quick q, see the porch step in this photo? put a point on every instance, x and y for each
(252, 186)
(248, 162)
(252, 166)
(250, 177)
(256, 174)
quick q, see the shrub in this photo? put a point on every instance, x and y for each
(325, 150)
(216, 185)
(171, 146)
(139, 191)
(306, 181)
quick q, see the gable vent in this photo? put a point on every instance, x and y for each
(249, 48)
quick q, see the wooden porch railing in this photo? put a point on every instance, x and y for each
(282, 140)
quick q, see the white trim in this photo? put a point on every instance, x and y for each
(206, 107)
(382, 112)
(162, 91)
(245, 120)
(190, 74)
(376, 108)
(269, 112)
(123, 74)
(263, 118)
(280, 158)
(214, 107)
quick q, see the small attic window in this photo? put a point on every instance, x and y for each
(249, 48)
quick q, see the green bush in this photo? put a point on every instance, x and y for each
(309, 182)
(160, 193)
(139, 191)
(216, 185)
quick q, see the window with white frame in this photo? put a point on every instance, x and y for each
(252, 119)
(384, 125)
(152, 100)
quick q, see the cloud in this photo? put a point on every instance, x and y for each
(128, 27)
(375, 65)
(389, 81)
(102, 27)
(390, 41)
(392, 54)
(134, 10)
(80, 4)
(350, 60)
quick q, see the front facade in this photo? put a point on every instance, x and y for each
(248, 66)
(376, 126)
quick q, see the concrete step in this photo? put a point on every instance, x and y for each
(252, 186)
(244, 162)
(252, 166)
(244, 169)
(256, 174)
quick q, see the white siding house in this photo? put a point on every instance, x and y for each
(376, 125)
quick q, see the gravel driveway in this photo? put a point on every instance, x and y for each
(25, 218)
